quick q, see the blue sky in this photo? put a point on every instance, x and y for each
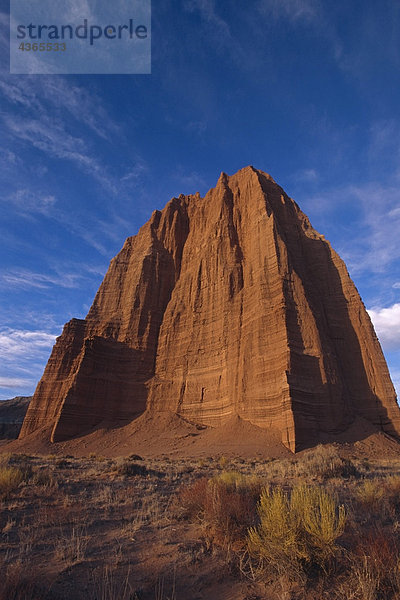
(306, 90)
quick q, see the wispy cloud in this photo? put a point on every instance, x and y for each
(364, 54)
(9, 161)
(22, 344)
(306, 176)
(189, 182)
(60, 274)
(376, 246)
(294, 10)
(219, 28)
(25, 279)
(76, 114)
(23, 354)
(136, 170)
(395, 375)
(15, 382)
(25, 201)
(369, 241)
(51, 137)
(56, 95)
(198, 127)
(385, 137)
(387, 325)
(94, 231)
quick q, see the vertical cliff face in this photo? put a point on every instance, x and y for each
(226, 305)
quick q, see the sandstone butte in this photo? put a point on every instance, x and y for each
(227, 305)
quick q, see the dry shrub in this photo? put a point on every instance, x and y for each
(10, 479)
(129, 468)
(227, 503)
(192, 498)
(22, 462)
(234, 479)
(298, 529)
(392, 493)
(108, 585)
(376, 565)
(324, 462)
(63, 463)
(363, 582)
(370, 494)
(18, 582)
(71, 546)
(45, 478)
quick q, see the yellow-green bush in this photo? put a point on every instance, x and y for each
(297, 528)
(321, 519)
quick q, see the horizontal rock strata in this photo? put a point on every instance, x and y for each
(227, 305)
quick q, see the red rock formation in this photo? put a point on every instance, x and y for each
(226, 305)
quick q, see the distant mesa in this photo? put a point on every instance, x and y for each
(223, 307)
(12, 414)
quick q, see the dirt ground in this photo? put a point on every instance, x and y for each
(99, 528)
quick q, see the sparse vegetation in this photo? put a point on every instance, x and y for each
(317, 525)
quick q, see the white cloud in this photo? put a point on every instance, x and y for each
(23, 354)
(368, 243)
(17, 344)
(387, 325)
(50, 136)
(46, 135)
(25, 201)
(9, 159)
(395, 375)
(396, 285)
(15, 382)
(379, 239)
(306, 175)
(64, 275)
(52, 95)
(16, 95)
(384, 139)
(25, 279)
(136, 171)
(75, 113)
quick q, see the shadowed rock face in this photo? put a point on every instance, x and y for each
(226, 305)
